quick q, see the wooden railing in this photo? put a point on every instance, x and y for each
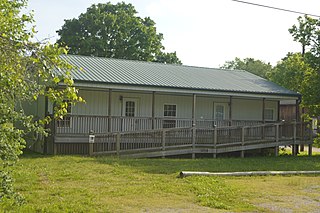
(175, 141)
(83, 124)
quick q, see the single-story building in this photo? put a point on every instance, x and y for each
(128, 96)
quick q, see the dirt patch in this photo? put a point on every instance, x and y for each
(287, 204)
(189, 208)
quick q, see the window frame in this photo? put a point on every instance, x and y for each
(169, 123)
(225, 107)
(273, 114)
(134, 108)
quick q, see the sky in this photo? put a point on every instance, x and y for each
(204, 33)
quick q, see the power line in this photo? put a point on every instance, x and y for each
(277, 8)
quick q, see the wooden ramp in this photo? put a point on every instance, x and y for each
(182, 141)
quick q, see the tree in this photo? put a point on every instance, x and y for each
(307, 32)
(26, 72)
(256, 67)
(294, 72)
(114, 31)
(301, 72)
(290, 72)
(304, 33)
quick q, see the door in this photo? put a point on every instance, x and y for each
(130, 106)
(220, 114)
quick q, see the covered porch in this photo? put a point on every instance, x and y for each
(150, 124)
(123, 110)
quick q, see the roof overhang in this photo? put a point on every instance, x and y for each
(149, 89)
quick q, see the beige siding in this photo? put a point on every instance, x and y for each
(204, 108)
(184, 105)
(273, 105)
(36, 108)
(246, 109)
(144, 102)
(96, 103)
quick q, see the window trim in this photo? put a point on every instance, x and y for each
(134, 108)
(123, 106)
(171, 123)
(170, 105)
(225, 107)
(273, 114)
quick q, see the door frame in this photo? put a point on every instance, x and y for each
(128, 124)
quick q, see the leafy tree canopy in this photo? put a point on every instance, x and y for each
(301, 71)
(114, 31)
(291, 72)
(26, 73)
(307, 33)
(254, 66)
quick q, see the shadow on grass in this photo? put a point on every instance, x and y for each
(27, 153)
(174, 166)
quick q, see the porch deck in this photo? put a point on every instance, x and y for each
(206, 137)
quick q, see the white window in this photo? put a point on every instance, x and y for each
(130, 108)
(269, 114)
(169, 111)
(220, 111)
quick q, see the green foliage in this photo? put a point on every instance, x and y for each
(304, 32)
(254, 66)
(290, 72)
(26, 72)
(114, 31)
(300, 72)
(167, 58)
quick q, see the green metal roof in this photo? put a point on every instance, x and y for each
(128, 72)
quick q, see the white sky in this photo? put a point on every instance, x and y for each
(204, 33)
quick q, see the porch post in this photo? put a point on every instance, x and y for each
(300, 133)
(118, 138)
(163, 140)
(295, 146)
(215, 139)
(194, 110)
(263, 117)
(153, 109)
(91, 142)
(242, 141)
(230, 111)
(297, 111)
(278, 119)
(194, 125)
(276, 149)
(109, 110)
(263, 109)
(310, 149)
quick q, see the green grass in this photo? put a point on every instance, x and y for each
(108, 184)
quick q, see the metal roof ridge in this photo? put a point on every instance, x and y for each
(158, 63)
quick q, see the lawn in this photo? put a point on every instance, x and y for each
(109, 184)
